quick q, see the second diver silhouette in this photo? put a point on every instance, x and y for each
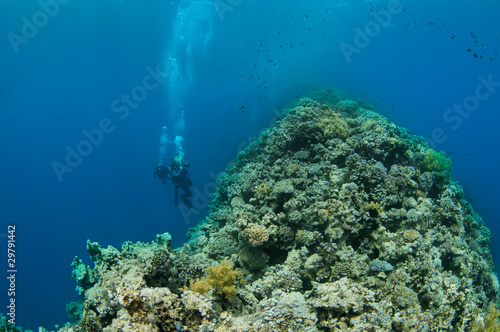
(177, 173)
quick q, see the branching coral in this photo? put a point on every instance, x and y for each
(221, 277)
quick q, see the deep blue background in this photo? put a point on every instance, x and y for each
(65, 79)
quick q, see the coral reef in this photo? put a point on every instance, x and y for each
(335, 219)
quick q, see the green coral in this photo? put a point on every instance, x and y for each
(164, 239)
(75, 310)
(83, 274)
(8, 327)
(436, 162)
(95, 250)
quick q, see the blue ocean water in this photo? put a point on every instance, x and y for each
(85, 88)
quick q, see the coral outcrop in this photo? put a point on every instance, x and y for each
(338, 220)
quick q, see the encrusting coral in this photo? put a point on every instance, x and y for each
(335, 219)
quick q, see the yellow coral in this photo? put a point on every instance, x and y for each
(491, 324)
(333, 125)
(221, 277)
(201, 286)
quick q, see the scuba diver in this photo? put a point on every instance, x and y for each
(161, 171)
(177, 173)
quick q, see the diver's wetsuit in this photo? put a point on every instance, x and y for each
(177, 172)
(161, 171)
(181, 180)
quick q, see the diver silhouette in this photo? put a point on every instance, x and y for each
(161, 171)
(177, 173)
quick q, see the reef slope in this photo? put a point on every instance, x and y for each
(335, 219)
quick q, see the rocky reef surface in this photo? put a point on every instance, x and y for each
(335, 219)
